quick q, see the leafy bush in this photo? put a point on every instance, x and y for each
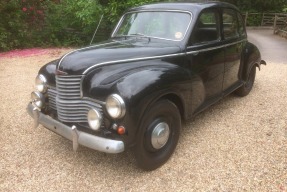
(72, 22)
(115, 8)
(32, 23)
(12, 29)
(44, 23)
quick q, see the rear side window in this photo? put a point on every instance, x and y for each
(207, 28)
(241, 25)
(230, 24)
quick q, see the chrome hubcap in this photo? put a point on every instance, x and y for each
(160, 135)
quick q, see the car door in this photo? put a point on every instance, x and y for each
(205, 57)
(234, 45)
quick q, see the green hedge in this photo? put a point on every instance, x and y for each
(46, 23)
(32, 23)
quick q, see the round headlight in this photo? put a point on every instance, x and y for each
(41, 83)
(94, 119)
(115, 106)
(37, 99)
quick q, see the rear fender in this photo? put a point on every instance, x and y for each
(251, 57)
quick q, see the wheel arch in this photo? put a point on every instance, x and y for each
(170, 96)
(252, 57)
(177, 101)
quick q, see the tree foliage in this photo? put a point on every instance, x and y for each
(30, 23)
(259, 5)
(11, 25)
(115, 8)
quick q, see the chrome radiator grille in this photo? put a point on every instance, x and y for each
(66, 99)
(52, 94)
(75, 110)
(69, 87)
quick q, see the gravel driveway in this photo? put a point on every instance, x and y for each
(239, 144)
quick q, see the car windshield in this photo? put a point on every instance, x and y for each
(163, 25)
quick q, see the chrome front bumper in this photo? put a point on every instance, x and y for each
(71, 133)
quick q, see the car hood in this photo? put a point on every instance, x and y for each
(83, 60)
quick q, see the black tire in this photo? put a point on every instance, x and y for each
(247, 86)
(161, 114)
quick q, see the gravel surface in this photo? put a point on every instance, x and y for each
(239, 144)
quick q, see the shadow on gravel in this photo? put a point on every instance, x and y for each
(125, 162)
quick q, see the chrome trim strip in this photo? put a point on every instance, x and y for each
(131, 60)
(160, 56)
(213, 48)
(93, 46)
(78, 137)
(156, 10)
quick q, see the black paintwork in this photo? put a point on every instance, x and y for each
(192, 79)
(114, 50)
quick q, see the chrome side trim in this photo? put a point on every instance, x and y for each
(213, 48)
(160, 56)
(78, 137)
(131, 60)
(156, 10)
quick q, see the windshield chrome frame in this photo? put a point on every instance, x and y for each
(153, 10)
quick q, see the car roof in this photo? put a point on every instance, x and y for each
(184, 6)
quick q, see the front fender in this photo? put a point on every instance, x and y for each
(143, 88)
(140, 87)
(48, 71)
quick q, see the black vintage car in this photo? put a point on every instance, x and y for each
(163, 63)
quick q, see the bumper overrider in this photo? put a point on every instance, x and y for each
(74, 135)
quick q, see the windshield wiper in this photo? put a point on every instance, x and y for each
(133, 35)
(139, 34)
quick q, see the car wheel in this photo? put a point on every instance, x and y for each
(158, 135)
(247, 86)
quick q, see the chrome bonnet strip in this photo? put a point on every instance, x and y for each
(93, 46)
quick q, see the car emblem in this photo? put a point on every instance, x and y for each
(58, 72)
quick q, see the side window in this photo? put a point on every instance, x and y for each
(206, 28)
(230, 24)
(241, 25)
